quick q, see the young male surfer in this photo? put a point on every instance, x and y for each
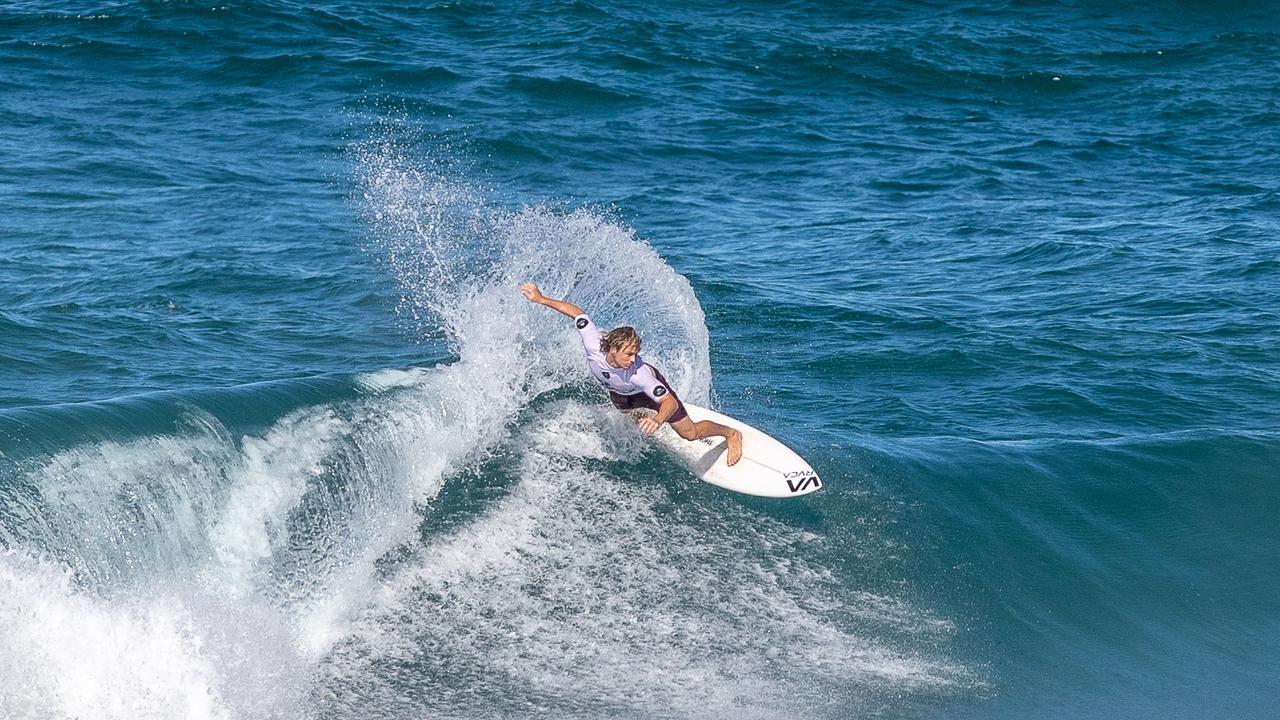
(614, 359)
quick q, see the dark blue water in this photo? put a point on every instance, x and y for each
(280, 439)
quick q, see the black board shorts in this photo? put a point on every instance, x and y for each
(640, 400)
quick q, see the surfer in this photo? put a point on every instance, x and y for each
(614, 359)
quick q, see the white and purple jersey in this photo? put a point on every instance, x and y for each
(639, 378)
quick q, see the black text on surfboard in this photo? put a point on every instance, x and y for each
(802, 479)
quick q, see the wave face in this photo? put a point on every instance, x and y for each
(280, 439)
(473, 537)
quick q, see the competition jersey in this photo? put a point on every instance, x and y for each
(638, 378)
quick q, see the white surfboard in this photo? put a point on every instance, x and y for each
(767, 468)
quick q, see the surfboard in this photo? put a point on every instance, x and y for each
(767, 468)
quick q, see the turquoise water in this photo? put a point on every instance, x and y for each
(280, 439)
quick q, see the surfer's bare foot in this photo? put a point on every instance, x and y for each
(735, 448)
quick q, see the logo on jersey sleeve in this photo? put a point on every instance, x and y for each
(605, 373)
(659, 391)
(582, 322)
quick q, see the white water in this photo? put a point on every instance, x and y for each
(581, 590)
(284, 573)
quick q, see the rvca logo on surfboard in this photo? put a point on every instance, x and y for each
(801, 479)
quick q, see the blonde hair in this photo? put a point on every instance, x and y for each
(620, 337)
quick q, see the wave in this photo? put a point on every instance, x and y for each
(425, 540)
(163, 652)
(583, 592)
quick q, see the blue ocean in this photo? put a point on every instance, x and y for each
(280, 438)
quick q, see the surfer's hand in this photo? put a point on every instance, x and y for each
(648, 425)
(531, 292)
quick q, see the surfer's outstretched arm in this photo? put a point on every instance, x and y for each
(534, 295)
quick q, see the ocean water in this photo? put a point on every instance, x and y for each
(280, 439)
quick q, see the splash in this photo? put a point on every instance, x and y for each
(458, 261)
(581, 591)
(162, 653)
(303, 570)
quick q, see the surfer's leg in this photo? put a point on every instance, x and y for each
(689, 430)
